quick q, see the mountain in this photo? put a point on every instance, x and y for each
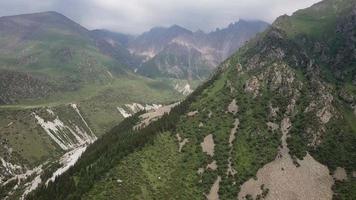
(150, 43)
(275, 121)
(61, 87)
(180, 53)
(52, 50)
(115, 45)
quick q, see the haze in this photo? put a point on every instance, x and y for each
(136, 16)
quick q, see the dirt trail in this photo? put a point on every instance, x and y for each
(286, 181)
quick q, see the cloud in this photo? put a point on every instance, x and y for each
(136, 16)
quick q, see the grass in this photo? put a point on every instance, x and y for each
(150, 173)
(29, 144)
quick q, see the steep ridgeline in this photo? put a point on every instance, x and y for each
(180, 53)
(276, 121)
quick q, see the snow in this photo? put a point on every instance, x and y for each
(68, 160)
(73, 139)
(153, 115)
(32, 186)
(137, 107)
(185, 90)
(9, 167)
(53, 129)
(60, 133)
(50, 112)
(91, 138)
(123, 112)
(110, 74)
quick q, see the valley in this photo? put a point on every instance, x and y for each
(63, 86)
(250, 112)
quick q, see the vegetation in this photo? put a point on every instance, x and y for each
(146, 163)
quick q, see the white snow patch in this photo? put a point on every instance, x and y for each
(9, 167)
(53, 129)
(154, 114)
(68, 160)
(137, 107)
(185, 90)
(91, 137)
(50, 111)
(32, 186)
(60, 133)
(110, 74)
(123, 112)
(9, 124)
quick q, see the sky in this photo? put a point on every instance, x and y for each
(137, 16)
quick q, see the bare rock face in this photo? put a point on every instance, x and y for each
(233, 107)
(192, 114)
(252, 86)
(214, 191)
(346, 96)
(238, 67)
(340, 174)
(272, 126)
(212, 166)
(273, 111)
(208, 145)
(284, 180)
(325, 113)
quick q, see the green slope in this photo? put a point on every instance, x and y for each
(48, 61)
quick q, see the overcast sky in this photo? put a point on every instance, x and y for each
(136, 16)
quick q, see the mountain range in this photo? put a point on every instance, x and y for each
(63, 86)
(183, 54)
(276, 120)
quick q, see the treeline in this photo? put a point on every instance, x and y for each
(108, 150)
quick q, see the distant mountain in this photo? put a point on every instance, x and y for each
(180, 53)
(154, 41)
(55, 50)
(115, 45)
(177, 52)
